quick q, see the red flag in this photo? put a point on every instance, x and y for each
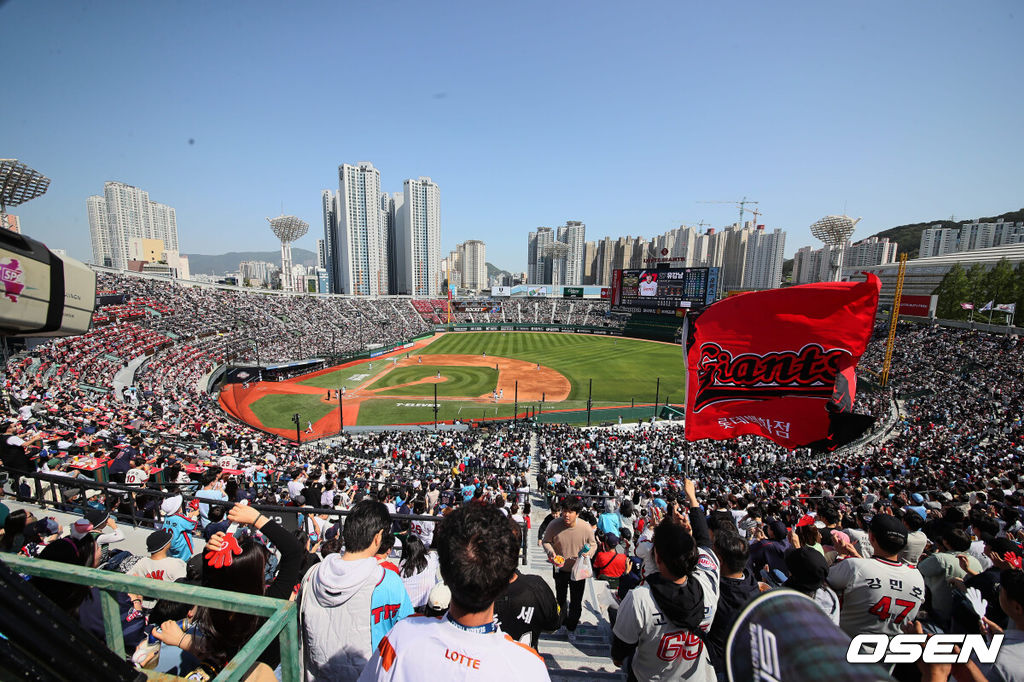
(780, 364)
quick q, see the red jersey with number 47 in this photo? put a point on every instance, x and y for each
(878, 595)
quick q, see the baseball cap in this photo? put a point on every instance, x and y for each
(97, 517)
(611, 539)
(807, 569)
(80, 528)
(440, 597)
(170, 505)
(917, 498)
(157, 540)
(889, 531)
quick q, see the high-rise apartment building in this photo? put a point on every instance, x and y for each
(329, 206)
(125, 213)
(870, 252)
(417, 238)
(763, 267)
(573, 235)
(535, 265)
(938, 241)
(472, 260)
(359, 232)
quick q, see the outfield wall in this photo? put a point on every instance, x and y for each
(526, 327)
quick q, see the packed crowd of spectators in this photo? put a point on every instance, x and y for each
(893, 533)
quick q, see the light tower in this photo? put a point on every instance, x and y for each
(834, 231)
(287, 228)
(18, 184)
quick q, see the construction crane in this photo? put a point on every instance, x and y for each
(742, 203)
(754, 212)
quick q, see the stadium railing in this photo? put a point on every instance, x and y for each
(55, 495)
(281, 615)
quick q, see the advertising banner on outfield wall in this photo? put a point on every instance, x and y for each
(918, 306)
(501, 292)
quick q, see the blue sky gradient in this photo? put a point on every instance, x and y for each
(622, 115)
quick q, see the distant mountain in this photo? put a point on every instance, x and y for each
(909, 236)
(493, 270)
(228, 262)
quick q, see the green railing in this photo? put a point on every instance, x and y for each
(282, 618)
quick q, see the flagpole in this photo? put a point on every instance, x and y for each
(686, 391)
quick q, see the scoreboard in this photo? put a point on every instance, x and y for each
(663, 292)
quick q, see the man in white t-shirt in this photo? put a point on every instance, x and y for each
(158, 565)
(478, 550)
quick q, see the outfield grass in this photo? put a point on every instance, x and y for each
(458, 381)
(622, 369)
(391, 411)
(275, 411)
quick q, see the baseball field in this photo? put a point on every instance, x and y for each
(477, 375)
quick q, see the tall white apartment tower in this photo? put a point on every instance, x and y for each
(764, 259)
(418, 238)
(129, 215)
(573, 234)
(473, 257)
(361, 260)
(329, 204)
(98, 232)
(535, 259)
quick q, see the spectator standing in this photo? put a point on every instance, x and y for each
(565, 541)
(348, 601)
(659, 630)
(478, 550)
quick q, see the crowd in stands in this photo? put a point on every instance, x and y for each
(891, 533)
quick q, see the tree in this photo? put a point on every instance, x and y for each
(999, 283)
(976, 286)
(952, 291)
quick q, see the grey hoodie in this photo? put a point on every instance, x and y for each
(334, 609)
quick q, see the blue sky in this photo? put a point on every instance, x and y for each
(622, 115)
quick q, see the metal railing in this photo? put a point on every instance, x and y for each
(281, 614)
(287, 517)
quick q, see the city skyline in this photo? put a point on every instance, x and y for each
(701, 105)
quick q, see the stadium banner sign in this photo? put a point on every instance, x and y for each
(505, 327)
(501, 292)
(606, 292)
(475, 307)
(780, 364)
(536, 291)
(572, 292)
(919, 306)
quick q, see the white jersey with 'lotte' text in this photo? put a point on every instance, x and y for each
(435, 649)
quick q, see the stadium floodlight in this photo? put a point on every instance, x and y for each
(287, 228)
(834, 231)
(18, 184)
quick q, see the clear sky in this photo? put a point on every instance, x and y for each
(622, 115)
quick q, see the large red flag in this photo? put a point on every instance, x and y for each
(780, 364)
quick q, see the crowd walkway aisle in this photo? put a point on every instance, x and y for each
(589, 656)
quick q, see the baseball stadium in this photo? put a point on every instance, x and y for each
(476, 376)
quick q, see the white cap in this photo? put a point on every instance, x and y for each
(170, 505)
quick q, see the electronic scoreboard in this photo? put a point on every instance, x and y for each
(663, 292)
